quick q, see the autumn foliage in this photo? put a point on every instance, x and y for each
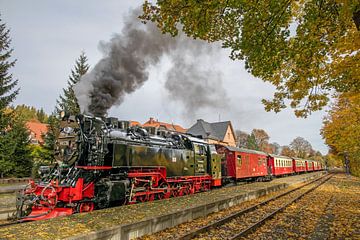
(341, 129)
(306, 49)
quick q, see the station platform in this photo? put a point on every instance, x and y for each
(131, 221)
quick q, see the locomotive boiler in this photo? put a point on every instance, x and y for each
(103, 162)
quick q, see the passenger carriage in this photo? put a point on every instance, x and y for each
(280, 165)
(299, 165)
(309, 165)
(317, 165)
(245, 163)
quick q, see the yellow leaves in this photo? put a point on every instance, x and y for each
(341, 129)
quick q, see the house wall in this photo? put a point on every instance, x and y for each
(229, 137)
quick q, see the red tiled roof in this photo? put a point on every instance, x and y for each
(134, 123)
(37, 129)
(172, 127)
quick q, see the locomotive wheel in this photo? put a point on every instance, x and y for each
(166, 193)
(85, 207)
(142, 198)
(187, 189)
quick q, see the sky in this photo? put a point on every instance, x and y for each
(48, 36)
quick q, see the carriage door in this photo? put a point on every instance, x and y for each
(269, 165)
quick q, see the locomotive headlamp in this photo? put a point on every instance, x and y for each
(64, 115)
(68, 130)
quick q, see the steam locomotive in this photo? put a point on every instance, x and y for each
(103, 162)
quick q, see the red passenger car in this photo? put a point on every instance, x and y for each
(299, 165)
(317, 166)
(310, 165)
(280, 165)
(244, 163)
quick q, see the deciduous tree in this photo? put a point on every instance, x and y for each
(275, 148)
(306, 49)
(27, 113)
(261, 139)
(241, 138)
(301, 147)
(341, 129)
(287, 151)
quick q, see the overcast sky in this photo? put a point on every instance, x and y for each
(48, 36)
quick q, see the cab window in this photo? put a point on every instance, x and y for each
(197, 149)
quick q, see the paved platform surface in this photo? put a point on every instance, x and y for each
(11, 188)
(130, 221)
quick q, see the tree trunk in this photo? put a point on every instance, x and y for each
(356, 18)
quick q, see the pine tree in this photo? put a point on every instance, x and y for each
(7, 94)
(41, 116)
(68, 100)
(15, 157)
(7, 83)
(50, 137)
(20, 153)
(251, 142)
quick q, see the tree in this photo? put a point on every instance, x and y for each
(7, 83)
(241, 138)
(334, 160)
(14, 139)
(41, 115)
(306, 49)
(287, 151)
(275, 148)
(251, 142)
(261, 139)
(20, 153)
(27, 113)
(341, 129)
(68, 100)
(301, 147)
(50, 137)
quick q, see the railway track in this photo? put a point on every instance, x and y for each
(8, 223)
(243, 222)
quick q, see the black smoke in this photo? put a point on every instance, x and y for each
(124, 68)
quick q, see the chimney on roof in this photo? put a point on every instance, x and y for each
(151, 120)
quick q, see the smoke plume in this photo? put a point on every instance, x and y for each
(124, 68)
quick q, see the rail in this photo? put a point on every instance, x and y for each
(195, 233)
